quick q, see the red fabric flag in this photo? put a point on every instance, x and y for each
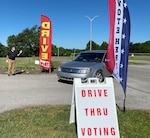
(45, 50)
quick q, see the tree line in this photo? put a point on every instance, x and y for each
(28, 41)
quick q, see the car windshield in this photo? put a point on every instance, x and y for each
(90, 57)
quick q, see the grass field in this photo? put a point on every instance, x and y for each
(140, 58)
(53, 122)
(28, 63)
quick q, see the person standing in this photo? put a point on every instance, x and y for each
(12, 54)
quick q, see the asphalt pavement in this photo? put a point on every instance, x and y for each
(23, 90)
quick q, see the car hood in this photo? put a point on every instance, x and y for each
(78, 64)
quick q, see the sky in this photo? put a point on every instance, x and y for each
(70, 26)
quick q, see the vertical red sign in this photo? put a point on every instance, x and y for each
(45, 50)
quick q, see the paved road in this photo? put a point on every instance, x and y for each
(138, 88)
(27, 90)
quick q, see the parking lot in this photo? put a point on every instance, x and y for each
(25, 90)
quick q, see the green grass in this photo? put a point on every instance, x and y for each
(37, 122)
(135, 63)
(27, 64)
(134, 124)
(139, 58)
(53, 122)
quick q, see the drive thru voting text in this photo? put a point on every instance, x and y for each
(93, 105)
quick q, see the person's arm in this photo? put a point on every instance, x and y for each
(7, 58)
(19, 53)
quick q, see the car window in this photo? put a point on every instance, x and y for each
(90, 57)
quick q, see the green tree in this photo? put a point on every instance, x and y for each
(54, 50)
(61, 51)
(27, 40)
(3, 50)
(93, 47)
(104, 46)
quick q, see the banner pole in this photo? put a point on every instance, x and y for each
(124, 101)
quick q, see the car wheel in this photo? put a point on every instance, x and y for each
(99, 75)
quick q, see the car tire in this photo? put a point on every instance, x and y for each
(99, 75)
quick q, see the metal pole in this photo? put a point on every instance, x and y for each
(91, 19)
(58, 52)
(74, 53)
(90, 35)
